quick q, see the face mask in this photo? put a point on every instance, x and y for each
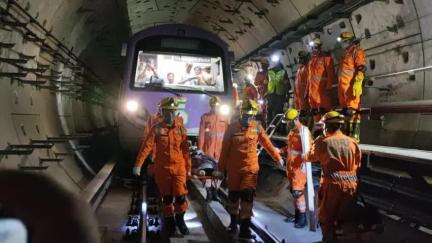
(303, 60)
(244, 120)
(345, 44)
(168, 117)
(290, 125)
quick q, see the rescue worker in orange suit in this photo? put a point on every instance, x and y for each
(340, 159)
(172, 164)
(301, 101)
(321, 77)
(296, 170)
(153, 119)
(239, 159)
(212, 129)
(352, 69)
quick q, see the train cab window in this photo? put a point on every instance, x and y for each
(179, 71)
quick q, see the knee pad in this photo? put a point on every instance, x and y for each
(296, 193)
(180, 199)
(247, 195)
(167, 199)
(234, 196)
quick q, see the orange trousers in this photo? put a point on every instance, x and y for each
(334, 199)
(173, 191)
(241, 193)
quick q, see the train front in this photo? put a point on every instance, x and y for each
(172, 60)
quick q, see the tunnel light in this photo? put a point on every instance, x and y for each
(224, 109)
(132, 106)
(275, 58)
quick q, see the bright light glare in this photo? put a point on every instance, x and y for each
(275, 58)
(224, 109)
(132, 106)
(311, 43)
(339, 39)
(190, 215)
(250, 76)
(260, 101)
(192, 225)
(144, 207)
(234, 85)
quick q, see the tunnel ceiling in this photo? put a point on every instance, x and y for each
(243, 24)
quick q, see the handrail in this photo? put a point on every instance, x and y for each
(96, 189)
(412, 155)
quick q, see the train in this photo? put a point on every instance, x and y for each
(173, 60)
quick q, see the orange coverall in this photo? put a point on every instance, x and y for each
(301, 84)
(211, 132)
(321, 77)
(340, 158)
(239, 158)
(172, 162)
(296, 170)
(154, 119)
(352, 59)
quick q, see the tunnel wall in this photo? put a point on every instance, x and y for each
(28, 112)
(396, 36)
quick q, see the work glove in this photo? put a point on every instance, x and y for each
(136, 171)
(358, 84)
(218, 175)
(281, 163)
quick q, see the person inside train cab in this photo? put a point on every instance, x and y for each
(352, 67)
(239, 159)
(261, 82)
(172, 164)
(340, 159)
(295, 166)
(212, 129)
(249, 90)
(321, 77)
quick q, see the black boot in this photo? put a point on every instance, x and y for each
(245, 231)
(301, 221)
(293, 218)
(169, 226)
(232, 228)
(181, 225)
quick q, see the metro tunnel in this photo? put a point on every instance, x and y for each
(215, 121)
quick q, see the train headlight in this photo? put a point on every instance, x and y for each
(132, 106)
(224, 110)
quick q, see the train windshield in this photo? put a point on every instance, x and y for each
(179, 72)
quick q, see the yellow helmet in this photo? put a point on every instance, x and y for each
(169, 103)
(249, 107)
(291, 114)
(214, 100)
(333, 117)
(346, 36)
